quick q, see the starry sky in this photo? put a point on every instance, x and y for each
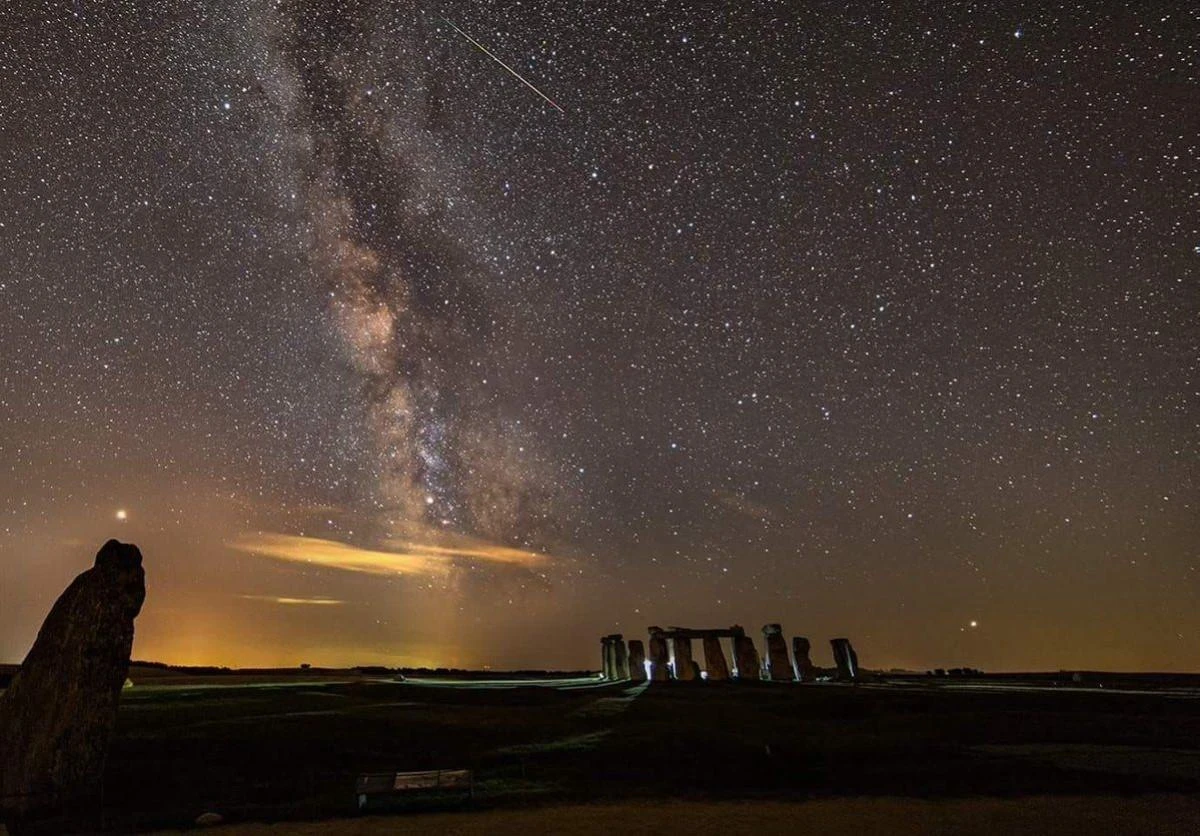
(875, 319)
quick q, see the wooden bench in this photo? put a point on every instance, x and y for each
(432, 781)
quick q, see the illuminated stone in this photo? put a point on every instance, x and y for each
(637, 660)
(714, 659)
(806, 671)
(684, 669)
(613, 657)
(779, 666)
(746, 655)
(659, 660)
(846, 660)
(621, 657)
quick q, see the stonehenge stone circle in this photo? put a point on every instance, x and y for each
(664, 662)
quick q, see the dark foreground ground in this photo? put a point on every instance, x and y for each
(758, 757)
(1042, 815)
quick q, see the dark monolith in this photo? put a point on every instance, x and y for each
(779, 666)
(846, 660)
(683, 659)
(616, 661)
(57, 716)
(637, 660)
(714, 660)
(746, 657)
(659, 659)
(806, 671)
(622, 658)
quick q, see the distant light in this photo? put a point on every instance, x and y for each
(121, 515)
(974, 623)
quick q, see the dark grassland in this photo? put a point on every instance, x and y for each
(286, 753)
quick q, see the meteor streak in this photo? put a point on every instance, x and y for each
(520, 77)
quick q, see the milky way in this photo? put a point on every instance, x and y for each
(390, 233)
(878, 321)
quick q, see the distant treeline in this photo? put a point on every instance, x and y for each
(366, 670)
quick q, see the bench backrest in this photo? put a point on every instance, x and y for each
(432, 779)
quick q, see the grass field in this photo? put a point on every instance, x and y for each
(255, 751)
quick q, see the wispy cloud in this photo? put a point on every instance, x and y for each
(277, 599)
(398, 557)
(469, 548)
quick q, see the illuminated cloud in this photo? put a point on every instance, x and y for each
(470, 548)
(276, 599)
(400, 558)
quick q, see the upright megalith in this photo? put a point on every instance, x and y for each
(806, 671)
(779, 666)
(614, 657)
(659, 658)
(684, 670)
(846, 660)
(621, 657)
(57, 716)
(637, 660)
(714, 659)
(745, 655)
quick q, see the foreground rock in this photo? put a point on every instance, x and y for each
(57, 716)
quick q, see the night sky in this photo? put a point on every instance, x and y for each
(876, 320)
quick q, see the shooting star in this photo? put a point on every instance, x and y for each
(520, 77)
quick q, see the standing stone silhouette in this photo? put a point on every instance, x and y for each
(801, 650)
(746, 656)
(684, 671)
(714, 660)
(659, 671)
(637, 660)
(58, 714)
(846, 660)
(778, 664)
